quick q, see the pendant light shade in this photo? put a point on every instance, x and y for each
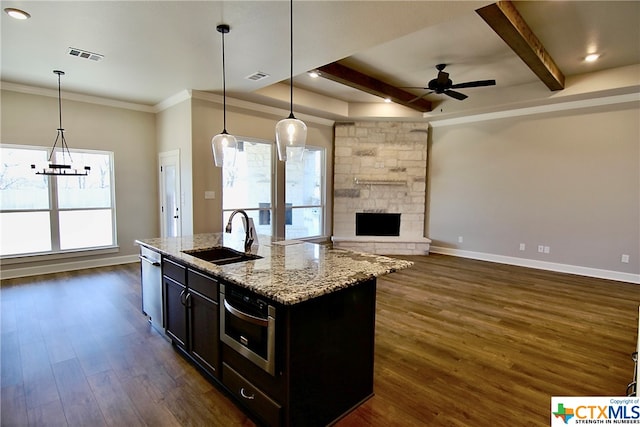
(224, 149)
(64, 168)
(224, 145)
(291, 133)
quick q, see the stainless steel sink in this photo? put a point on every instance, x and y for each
(221, 255)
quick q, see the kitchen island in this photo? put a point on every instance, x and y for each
(290, 334)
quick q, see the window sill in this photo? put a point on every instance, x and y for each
(21, 259)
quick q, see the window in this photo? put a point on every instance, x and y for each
(247, 184)
(304, 192)
(47, 214)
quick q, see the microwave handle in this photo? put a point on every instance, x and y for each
(244, 316)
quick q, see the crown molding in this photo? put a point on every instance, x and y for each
(179, 97)
(538, 109)
(72, 96)
(260, 108)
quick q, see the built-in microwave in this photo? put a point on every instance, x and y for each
(248, 325)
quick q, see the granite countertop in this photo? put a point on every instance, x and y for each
(289, 271)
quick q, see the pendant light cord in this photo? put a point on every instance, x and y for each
(224, 89)
(60, 134)
(291, 58)
(59, 102)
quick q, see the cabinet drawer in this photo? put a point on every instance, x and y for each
(205, 285)
(251, 397)
(174, 270)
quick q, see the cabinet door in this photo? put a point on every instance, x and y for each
(175, 312)
(204, 340)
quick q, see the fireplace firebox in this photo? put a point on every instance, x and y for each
(377, 224)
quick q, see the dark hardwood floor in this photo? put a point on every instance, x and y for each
(458, 343)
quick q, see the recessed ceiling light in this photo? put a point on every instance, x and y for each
(17, 13)
(387, 100)
(592, 57)
(314, 74)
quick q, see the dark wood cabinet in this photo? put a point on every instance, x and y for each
(323, 349)
(203, 315)
(259, 403)
(203, 321)
(192, 316)
(175, 311)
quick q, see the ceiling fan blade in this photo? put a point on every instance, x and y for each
(457, 95)
(474, 84)
(443, 78)
(420, 97)
(413, 87)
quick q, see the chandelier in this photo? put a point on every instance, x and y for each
(64, 168)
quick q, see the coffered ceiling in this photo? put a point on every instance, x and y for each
(155, 49)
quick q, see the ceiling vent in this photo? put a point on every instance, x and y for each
(85, 54)
(258, 75)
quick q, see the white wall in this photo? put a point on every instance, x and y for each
(29, 119)
(569, 180)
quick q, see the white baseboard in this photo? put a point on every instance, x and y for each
(541, 265)
(67, 266)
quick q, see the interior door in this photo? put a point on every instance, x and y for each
(170, 213)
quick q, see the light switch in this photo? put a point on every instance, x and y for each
(209, 195)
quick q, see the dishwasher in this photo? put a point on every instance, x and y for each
(151, 274)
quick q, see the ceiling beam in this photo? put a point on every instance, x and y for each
(350, 77)
(505, 20)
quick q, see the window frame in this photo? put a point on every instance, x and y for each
(273, 175)
(279, 207)
(54, 213)
(323, 196)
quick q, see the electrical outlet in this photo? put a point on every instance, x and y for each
(547, 249)
(460, 239)
(624, 258)
(541, 248)
(209, 195)
(522, 246)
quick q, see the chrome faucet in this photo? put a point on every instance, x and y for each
(249, 227)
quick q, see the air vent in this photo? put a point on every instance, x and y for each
(85, 54)
(258, 75)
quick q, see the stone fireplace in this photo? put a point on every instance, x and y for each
(379, 184)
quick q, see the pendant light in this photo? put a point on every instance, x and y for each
(223, 144)
(291, 133)
(63, 169)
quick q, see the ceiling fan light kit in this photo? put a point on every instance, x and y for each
(64, 168)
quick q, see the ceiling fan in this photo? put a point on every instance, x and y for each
(443, 84)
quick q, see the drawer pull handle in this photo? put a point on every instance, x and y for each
(247, 396)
